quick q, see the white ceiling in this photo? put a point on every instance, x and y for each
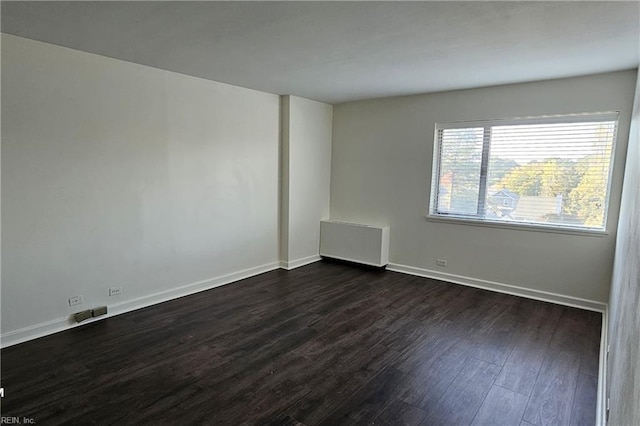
(343, 51)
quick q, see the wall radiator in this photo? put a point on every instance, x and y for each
(354, 242)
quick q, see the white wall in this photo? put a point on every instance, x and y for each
(306, 176)
(624, 314)
(381, 174)
(116, 174)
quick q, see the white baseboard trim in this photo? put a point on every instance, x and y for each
(544, 296)
(601, 401)
(299, 262)
(65, 323)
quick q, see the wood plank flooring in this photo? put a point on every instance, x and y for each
(325, 344)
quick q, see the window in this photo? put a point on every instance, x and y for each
(550, 171)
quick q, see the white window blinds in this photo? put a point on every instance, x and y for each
(550, 171)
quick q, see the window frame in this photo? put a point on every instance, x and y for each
(478, 219)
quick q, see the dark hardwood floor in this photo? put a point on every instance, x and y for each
(323, 344)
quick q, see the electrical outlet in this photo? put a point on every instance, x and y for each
(75, 300)
(441, 262)
(115, 291)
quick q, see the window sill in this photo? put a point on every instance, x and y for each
(517, 226)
